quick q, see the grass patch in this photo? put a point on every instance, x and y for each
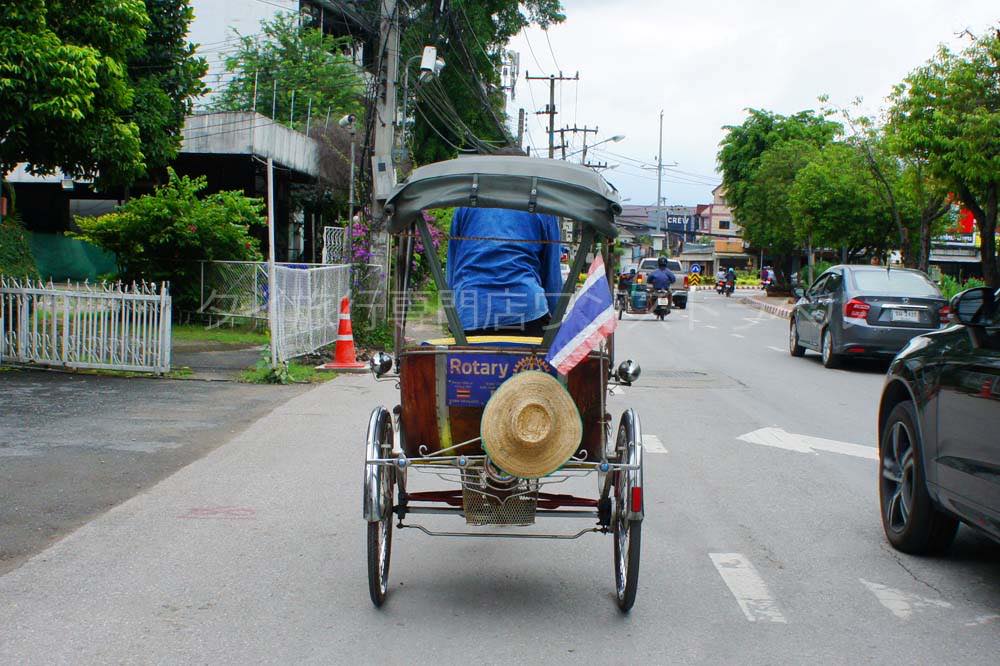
(223, 335)
(177, 373)
(293, 373)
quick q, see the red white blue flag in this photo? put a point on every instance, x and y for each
(590, 320)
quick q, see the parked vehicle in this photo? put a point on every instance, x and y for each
(679, 290)
(864, 311)
(939, 453)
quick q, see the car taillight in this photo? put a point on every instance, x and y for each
(685, 280)
(945, 314)
(856, 309)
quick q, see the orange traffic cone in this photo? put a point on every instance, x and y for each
(344, 357)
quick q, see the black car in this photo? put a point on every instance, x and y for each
(864, 311)
(939, 430)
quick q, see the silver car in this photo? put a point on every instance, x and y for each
(857, 311)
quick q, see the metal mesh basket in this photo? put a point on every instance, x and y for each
(485, 502)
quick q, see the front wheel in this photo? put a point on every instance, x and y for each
(379, 481)
(628, 542)
(910, 520)
(794, 348)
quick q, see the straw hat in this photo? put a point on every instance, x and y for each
(530, 426)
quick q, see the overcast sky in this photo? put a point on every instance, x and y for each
(704, 62)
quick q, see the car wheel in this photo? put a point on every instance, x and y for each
(830, 359)
(794, 348)
(910, 520)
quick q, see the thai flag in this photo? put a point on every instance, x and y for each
(590, 320)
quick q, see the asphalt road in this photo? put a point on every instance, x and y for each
(761, 542)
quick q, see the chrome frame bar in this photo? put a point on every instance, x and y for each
(501, 535)
(545, 513)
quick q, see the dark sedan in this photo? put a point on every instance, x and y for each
(864, 311)
(939, 430)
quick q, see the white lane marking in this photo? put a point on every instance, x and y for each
(983, 619)
(902, 604)
(710, 326)
(748, 587)
(653, 444)
(779, 439)
(737, 335)
(777, 349)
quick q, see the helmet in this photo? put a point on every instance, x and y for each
(661, 262)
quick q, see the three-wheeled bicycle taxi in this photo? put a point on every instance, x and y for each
(488, 416)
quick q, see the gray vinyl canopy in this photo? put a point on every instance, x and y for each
(519, 183)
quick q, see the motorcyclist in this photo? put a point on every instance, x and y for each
(731, 275)
(662, 277)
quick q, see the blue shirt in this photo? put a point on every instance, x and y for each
(499, 283)
(662, 278)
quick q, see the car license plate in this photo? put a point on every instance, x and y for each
(663, 302)
(910, 316)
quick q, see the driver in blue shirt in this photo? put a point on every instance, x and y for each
(504, 285)
(662, 277)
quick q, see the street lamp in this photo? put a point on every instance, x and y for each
(616, 138)
(430, 66)
(347, 122)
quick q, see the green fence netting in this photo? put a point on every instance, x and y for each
(62, 258)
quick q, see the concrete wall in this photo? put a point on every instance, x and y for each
(243, 133)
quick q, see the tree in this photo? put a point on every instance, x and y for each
(949, 111)
(464, 108)
(286, 65)
(834, 202)
(741, 150)
(166, 76)
(66, 97)
(162, 237)
(766, 217)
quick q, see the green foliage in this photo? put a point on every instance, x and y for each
(15, 253)
(292, 372)
(766, 216)
(165, 76)
(818, 268)
(220, 334)
(949, 111)
(290, 59)
(833, 199)
(374, 335)
(163, 236)
(464, 107)
(744, 145)
(80, 119)
(951, 286)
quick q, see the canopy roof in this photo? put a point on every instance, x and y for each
(519, 183)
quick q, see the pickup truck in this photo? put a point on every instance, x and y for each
(679, 289)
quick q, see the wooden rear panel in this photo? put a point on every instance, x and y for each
(429, 421)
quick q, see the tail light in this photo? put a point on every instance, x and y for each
(856, 309)
(945, 314)
(685, 280)
(637, 498)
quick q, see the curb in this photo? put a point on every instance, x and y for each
(772, 308)
(711, 287)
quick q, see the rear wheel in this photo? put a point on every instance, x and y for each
(794, 348)
(910, 520)
(830, 358)
(626, 523)
(379, 482)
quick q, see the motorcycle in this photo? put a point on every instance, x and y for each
(730, 288)
(662, 299)
(720, 287)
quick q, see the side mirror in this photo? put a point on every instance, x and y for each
(628, 371)
(799, 292)
(380, 363)
(973, 307)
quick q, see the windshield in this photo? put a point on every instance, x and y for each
(895, 283)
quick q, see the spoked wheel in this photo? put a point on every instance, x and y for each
(626, 521)
(379, 482)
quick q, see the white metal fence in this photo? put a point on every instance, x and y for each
(109, 326)
(308, 305)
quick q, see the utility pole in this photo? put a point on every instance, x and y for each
(550, 109)
(520, 127)
(562, 138)
(383, 174)
(272, 300)
(659, 182)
